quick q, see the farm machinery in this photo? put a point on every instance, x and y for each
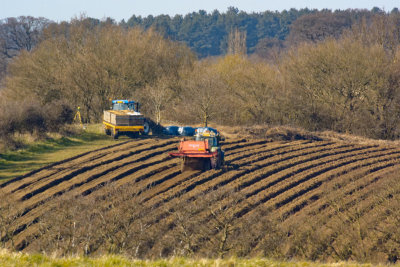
(203, 153)
(124, 118)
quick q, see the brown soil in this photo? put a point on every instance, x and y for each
(290, 177)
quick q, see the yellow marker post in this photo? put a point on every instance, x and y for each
(78, 117)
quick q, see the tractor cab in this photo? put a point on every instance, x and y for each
(208, 131)
(125, 105)
(210, 137)
(212, 140)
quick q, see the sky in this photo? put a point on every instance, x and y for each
(64, 10)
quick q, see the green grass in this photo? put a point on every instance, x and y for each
(39, 154)
(21, 259)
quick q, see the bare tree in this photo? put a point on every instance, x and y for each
(237, 42)
(123, 225)
(203, 91)
(159, 95)
(20, 33)
(16, 34)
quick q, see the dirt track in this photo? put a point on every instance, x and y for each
(289, 177)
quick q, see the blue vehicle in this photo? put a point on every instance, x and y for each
(171, 130)
(186, 131)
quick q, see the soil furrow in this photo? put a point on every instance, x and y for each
(64, 169)
(29, 192)
(219, 178)
(344, 183)
(16, 179)
(314, 184)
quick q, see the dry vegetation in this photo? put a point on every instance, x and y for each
(22, 259)
(32, 118)
(349, 84)
(304, 199)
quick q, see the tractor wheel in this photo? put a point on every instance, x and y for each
(146, 129)
(206, 164)
(221, 159)
(183, 166)
(214, 163)
(218, 165)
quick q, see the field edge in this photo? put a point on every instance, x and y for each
(8, 258)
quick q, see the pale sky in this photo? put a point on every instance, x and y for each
(59, 10)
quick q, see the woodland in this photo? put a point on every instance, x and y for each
(318, 70)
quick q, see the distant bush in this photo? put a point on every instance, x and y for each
(33, 118)
(57, 113)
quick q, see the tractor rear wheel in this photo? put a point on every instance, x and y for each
(146, 128)
(206, 164)
(183, 166)
(218, 164)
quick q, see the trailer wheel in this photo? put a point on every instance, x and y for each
(107, 131)
(133, 134)
(114, 135)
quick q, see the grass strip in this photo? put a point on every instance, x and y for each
(22, 259)
(42, 153)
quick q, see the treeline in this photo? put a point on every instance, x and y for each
(207, 33)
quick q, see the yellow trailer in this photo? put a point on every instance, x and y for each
(125, 119)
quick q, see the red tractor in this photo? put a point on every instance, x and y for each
(203, 153)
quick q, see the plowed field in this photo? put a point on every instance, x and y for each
(296, 180)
